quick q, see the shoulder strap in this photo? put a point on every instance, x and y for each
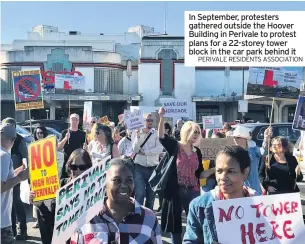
(146, 139)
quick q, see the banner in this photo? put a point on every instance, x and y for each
(134, 120)
(211, 146)
(79, 201)
(27, 90)
(87, 115)
(299, 116)
(43, 168)
(212, 122)
(176, 108)
(69, 84)
(282, 82)
(272, 219)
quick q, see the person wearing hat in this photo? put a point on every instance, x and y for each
(19, 154)
(242, 137)
(9, 179)
(73, 138)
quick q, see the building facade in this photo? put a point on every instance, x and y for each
(158, 72)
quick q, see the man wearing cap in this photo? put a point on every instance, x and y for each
(9, 179)
(73, 138)
(19, 153)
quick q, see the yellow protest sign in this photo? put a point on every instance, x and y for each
(104, 120)
(43, 168)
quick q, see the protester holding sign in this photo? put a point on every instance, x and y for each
(147, 148)
(9, 179)
(280, 174)
(73, 138)
(182, 184)
(122, 219)
(232, 170)
(242, 137)
(78, 162)
(103, 145)
(19, 153)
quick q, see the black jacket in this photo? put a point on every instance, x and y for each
(282, 181)
(171, 220)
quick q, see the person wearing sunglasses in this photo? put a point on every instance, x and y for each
(281, 173)
(182, 184)
(78, 162)
(147, 148)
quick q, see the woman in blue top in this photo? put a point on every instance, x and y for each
(232, 169)
(242, 137)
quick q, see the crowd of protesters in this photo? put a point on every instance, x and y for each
(129, 203)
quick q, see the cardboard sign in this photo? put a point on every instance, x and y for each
(264, 219)
(134, 120)
(283, 82)
(176, 108)
(69, 84)
(212, 122)
(104, 120)
(299, 116)
(43, 168)
(211, 146)
(79, 201)
(27, 90)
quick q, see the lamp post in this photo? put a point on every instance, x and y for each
(129, 74)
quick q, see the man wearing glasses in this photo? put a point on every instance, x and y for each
(147, 148)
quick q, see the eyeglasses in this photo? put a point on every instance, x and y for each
(92, 122)
(149, 120)
(81, 167)
(196, 132)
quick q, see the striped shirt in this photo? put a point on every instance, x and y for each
(140, 226)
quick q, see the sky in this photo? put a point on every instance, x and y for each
(17, 18)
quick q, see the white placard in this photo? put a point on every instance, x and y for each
(79, 201)
(242, 106)
(212, 122)
(87, 114)
(176, 108)
(273, 219)
(134, 120)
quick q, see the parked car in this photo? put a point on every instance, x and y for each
(279, 129)
(29, 139)
(51, 131)
(297, 152)
(58, 125)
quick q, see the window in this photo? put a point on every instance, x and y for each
(284, 130)
(167, 55)
(108, 80)
(208, 110)
(7, 83)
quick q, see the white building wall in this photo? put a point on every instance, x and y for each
(149, 83)
(88, 72)
(185, 85)
(133, 84)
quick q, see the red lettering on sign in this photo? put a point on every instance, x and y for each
(260, 232)
(223, 214)
(287, 228)
(35, 157)
(48, 76)
(48, 154)
(244, 233)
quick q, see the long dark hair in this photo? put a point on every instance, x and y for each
(83, 154)
(44, 130)
(107, 131)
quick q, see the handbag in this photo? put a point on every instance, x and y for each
(159, 177)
